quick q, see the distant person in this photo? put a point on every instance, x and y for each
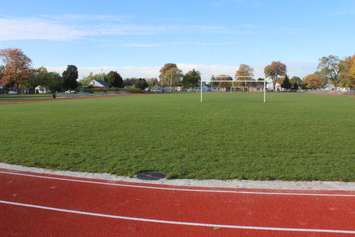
(54, 96)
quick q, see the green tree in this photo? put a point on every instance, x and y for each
(38, 77)
(114, 79)
(286, 84)
(296, 83)
(191, 79)
(152, 82)
(329, 69)
(70, 76)
(41, 77)
(170, 75)
(140, 83)
(85, 81)
(54, 82)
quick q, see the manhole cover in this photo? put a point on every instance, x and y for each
(150, 175)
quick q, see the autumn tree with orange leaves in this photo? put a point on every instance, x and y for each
(313, 81)
(347, 72)
(275, 70)
(16, 68)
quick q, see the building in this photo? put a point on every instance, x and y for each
(249, 85)
(226, 83)
(99, 84)
(41, 90)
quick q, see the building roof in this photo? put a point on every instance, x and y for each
(102, 82)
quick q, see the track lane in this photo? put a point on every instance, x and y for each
(222, 208)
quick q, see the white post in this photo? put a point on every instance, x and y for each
(201, 98)
(264, 91)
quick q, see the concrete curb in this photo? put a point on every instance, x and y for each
(244, 184)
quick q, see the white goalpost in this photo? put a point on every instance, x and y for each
(201, 92)
(238, 82)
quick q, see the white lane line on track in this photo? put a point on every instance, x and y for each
(183, 223)
(201, 190)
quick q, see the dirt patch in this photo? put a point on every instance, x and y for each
(20, 101)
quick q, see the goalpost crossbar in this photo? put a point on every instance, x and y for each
(237, 81)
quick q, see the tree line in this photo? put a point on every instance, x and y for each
(16, 72)
(330, 70)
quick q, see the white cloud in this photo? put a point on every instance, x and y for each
(78, 26)
(85, 17)
(34, 28)
(67, 27)
(44, 29)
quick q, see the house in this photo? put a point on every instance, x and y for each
(249, 85)
(329, 87)
(224, 83)
(99, 84)
(221, 83)
(41, 90)
(278, 86)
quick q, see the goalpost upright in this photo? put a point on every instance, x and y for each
(201, 96)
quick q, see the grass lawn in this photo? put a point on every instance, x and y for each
(292, 137)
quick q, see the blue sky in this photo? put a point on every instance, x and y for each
(214, 36)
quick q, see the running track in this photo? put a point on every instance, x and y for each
(34, 204)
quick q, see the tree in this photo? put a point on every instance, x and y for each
(244, 72)
(70, 76)
(114, 79)
(129, 82)
(191, 79)
(85, 81)
(2, 68)
(352, 73)
(140, 83)
(347, 72)
(170, 75)
(223, 83)
(313, 81)
(296, 83)
(54, 82)
(329, 69)
(17, 68)
(286, 84)
(275, 70)
(152, 82)
(41, 77)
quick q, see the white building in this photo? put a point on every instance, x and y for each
(41, 90)
(99, 84)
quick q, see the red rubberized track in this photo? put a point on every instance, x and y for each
(47, 205)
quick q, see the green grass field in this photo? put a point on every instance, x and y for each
(292, 137)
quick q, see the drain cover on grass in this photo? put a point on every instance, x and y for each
(150, 175)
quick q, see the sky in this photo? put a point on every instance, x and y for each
(137, 37)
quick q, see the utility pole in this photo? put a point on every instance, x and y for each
(264, 90)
